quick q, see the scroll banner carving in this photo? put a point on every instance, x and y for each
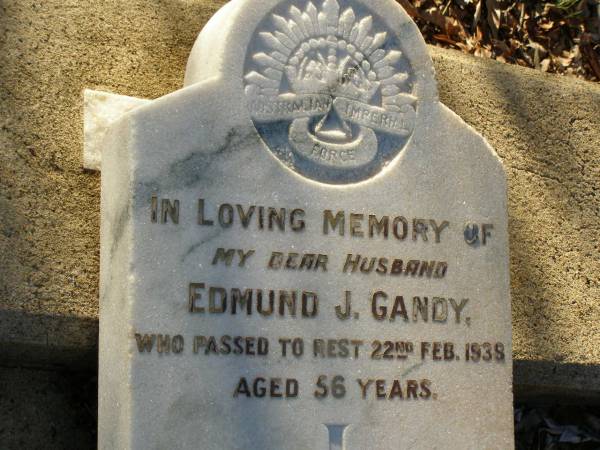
(368, 118)
(291, 107)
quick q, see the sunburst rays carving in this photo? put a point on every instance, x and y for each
(329, 51)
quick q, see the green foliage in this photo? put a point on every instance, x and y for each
(568, 5)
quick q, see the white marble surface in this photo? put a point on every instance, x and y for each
(208, 142)
(100, 111)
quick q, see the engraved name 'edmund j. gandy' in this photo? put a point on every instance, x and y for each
(329, 90)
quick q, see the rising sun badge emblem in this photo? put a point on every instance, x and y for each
(329, 90)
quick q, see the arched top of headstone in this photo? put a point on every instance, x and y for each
(334, 87)
(303, 248)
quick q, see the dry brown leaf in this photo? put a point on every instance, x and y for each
(477, 15)
(493, 16)
(545, 65)
(479, 34)
(501, 46)
(565, 62)
(537, 47)
(546, 26)
(465, 48)
(445, 38)
(592, 57)
(506, 29)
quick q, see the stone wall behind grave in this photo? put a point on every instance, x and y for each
(545, 128)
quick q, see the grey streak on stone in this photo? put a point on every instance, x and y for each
(447, 171)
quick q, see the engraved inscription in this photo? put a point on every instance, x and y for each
(402, 310)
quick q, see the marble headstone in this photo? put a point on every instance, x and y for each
(303, 248)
